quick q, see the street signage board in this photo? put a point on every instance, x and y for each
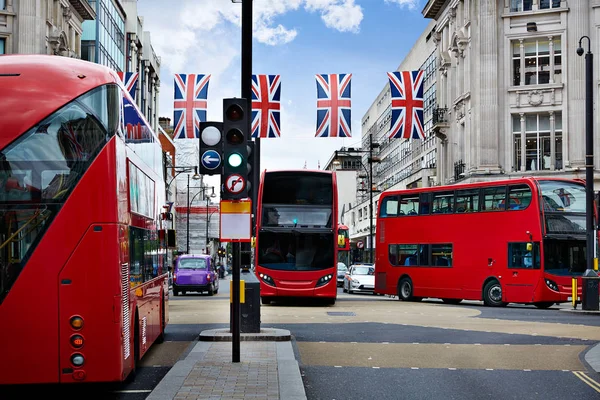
(360, 244)
(236, 220)
(211, 159)
(235, 183)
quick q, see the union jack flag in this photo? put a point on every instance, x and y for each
(407, 105)
(266, 101)
(333, 105)
(189, 108)
(130, 82)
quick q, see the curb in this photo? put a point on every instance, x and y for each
(592, 357)
(266, 334)
(291, 386)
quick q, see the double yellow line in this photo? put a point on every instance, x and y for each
(589, 381)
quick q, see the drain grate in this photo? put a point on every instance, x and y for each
(341, 313)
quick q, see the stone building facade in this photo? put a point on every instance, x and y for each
(43, 26)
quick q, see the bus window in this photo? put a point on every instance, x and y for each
(494, 198)
(409, 205)
(520, 197)
(393, 254)
(467, 200)
(443, 202)
(520, 257)
(389, 207)
(407, 254)
(441, 255)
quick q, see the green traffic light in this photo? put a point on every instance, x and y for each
(234, 160)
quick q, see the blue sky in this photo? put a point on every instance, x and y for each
(296, 39)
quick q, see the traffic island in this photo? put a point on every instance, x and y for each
(265, 334)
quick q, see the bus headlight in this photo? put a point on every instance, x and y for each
(551, 284)
(324, 280)
(266, 279)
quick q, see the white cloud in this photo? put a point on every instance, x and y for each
(343, 15)
(411, 4)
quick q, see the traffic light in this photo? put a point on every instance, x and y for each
(235, 151)
(211, 148)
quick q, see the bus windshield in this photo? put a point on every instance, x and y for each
(297, 188)
(561, 196)
(293, 251)
(564, 257)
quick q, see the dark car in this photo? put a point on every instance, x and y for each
(195, 273)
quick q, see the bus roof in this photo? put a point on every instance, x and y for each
(312, 171)
(34, 86)
(461, 186)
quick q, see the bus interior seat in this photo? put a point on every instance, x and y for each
(412, 212)
(411, 260)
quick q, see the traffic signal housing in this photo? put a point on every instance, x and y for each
(211, 148)
(235, 151)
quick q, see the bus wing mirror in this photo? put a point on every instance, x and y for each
(529, 246)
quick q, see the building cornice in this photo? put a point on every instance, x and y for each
(84, 9)
(433, 8)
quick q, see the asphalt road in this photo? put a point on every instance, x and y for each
(369, 346)
(387, 358)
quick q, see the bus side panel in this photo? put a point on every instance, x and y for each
(29, 313)
(90, 287)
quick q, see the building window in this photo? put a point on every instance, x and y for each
(520, 5)
(2, 6)
(538, 142)
(533, 63)
(545, 4)
(2, 45)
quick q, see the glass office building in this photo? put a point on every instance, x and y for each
(103, 40)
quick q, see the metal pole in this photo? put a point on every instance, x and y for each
(589, 162)
(247, 94)
(371, 258)
(207, 221)
(188, 216)
(235, 300)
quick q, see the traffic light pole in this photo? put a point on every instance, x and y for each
(247, 94)
(235, 300)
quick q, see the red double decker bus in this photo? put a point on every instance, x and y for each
(83, 282)
(511, 241)
(297, 242)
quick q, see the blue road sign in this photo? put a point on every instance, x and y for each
(211, 159)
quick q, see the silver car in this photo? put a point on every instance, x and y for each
(342, 270)
(360, 278)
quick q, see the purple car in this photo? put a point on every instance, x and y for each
(195, 273)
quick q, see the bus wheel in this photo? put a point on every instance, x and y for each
(452, 301)
(492, 294)
(405, 289)
(265, 301)
(543, 304)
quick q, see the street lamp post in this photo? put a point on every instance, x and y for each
(369, 173)
(196, 176)
(589, 172)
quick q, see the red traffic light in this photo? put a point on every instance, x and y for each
(234, 113)
(234, 136)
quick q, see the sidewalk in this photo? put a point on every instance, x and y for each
(267, 370)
